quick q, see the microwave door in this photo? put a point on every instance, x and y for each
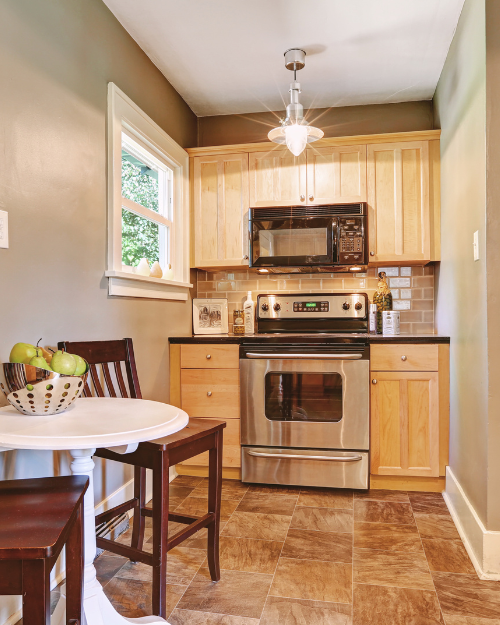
(293, 242)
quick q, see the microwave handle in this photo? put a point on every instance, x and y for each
(316, 356)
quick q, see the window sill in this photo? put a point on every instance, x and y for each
(124, 284)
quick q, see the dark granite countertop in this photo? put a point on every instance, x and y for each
(315, 338)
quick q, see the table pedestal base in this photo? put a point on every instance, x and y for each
(97, 609)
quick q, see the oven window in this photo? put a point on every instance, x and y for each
(304, 397)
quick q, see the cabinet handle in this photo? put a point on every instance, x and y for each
(302, 198)
(245, 257)
(372, 253)
(208, 356)
(209, 393)
(311, 198)
(374, 381)
(403, 357)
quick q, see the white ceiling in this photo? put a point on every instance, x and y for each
(226, 56)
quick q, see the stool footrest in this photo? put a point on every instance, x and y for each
(116, 511)
(191, 529)
(136, 555)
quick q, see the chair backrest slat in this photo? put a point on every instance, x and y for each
(119, 377)
(108, 380)
(102, 354)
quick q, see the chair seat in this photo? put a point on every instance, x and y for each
(194, 430)
(35, 515)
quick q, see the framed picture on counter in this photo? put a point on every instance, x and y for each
(210, 316)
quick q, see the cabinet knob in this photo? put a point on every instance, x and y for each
(209, 393)
(302, 198)
(372, 253)
(311, 198)
(374, 381)
(208, 356)
(403, 358)
(245, 257)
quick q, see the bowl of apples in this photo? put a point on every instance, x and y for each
(37, 382)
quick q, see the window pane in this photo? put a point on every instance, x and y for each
(139, 181)
(141, 238)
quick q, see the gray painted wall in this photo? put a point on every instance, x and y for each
(461, 111)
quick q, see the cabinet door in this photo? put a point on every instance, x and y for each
(221, 210)
(398, 202)
(405, 423)
(277, 178)
(231, 449)
(336, 175)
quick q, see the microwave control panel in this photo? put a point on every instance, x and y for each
(351, 240)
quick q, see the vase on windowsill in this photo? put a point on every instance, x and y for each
(142, 268)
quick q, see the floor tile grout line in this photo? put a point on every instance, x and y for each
(428, 565)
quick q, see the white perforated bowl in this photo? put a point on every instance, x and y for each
(35, 391)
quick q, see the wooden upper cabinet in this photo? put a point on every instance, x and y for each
(336, 175)
(277, 178)
(398, 203)
(221, 210)
(405, 423)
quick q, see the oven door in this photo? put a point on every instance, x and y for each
(293, 242)
(304, 402)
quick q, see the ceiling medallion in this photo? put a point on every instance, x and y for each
(294, 130)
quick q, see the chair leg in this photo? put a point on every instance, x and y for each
(74, 571)
(139, 523)
(214, 502)
(36, 592)
(160, 534)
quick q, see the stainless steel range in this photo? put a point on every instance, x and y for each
(305, 392)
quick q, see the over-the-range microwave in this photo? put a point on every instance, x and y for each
(291, 239)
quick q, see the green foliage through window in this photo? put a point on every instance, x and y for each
(137, 184)
(140, 239)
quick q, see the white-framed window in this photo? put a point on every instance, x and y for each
(148, 204)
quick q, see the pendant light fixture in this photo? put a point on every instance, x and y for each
(294, 130)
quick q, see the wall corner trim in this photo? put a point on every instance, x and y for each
(483, 546)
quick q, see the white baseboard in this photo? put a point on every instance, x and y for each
(483, 546)
(122, 494)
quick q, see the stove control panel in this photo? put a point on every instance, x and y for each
(299, 306)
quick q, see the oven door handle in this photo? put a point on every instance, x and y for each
(262, 454)
(316, 356)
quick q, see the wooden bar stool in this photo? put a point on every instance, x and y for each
(37, 518)
(159, 455)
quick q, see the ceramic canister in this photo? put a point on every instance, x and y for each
(390, 322)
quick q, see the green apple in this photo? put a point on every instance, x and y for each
(40, 362)
(23, 352)
(81, 365)
(63, 363)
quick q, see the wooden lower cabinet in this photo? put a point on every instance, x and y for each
(405, 423)
(409, 410)
(231, 456)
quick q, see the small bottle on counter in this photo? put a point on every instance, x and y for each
(372, 319)
(249, 312)
(238, 322)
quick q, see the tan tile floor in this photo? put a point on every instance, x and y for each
(313, 557)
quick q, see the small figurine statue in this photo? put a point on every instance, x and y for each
(383, 299)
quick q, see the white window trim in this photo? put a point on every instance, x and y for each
(124, 115)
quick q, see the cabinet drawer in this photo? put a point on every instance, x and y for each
(231, 451)
(404, 357)
(210, 357)
(211, 393)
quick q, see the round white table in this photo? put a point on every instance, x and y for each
(90, 423)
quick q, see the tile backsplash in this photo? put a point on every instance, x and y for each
(412, 290)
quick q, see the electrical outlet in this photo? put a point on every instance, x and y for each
(476, 245)
(4, 229)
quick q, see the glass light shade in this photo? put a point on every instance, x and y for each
(296, 136)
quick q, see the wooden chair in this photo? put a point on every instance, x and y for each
(199, 436)
(37, 518)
